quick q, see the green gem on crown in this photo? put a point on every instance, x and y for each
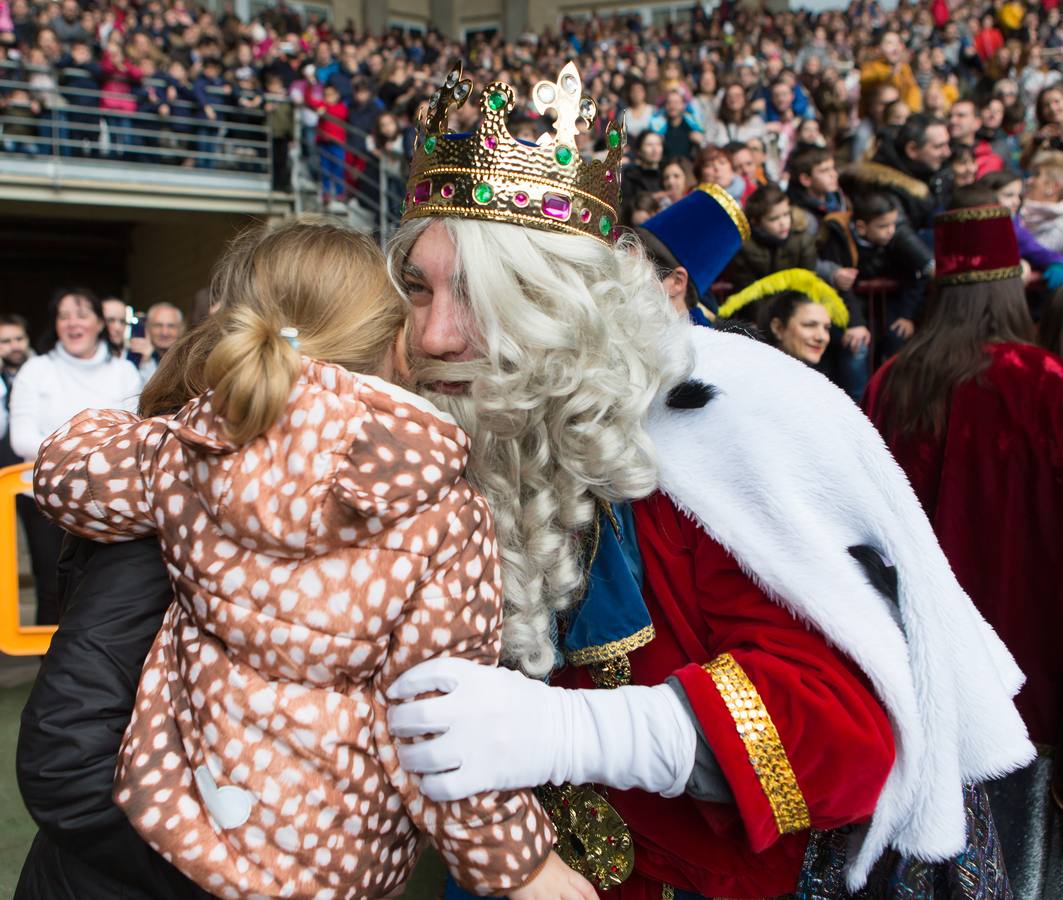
(430, 143)
(614, 139)
(563, 155)
(497, 100)
(605, 226)
(483, 192)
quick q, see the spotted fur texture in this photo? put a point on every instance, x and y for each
(312, 567)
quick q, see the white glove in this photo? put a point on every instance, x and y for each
(496, 729)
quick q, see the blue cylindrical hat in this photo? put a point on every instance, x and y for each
(703, 231)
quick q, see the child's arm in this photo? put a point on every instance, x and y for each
(494, 842)
(90, 475)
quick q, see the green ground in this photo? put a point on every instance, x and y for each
(17, 829)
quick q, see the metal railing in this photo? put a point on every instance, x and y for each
(59, 120)
(366, 191)
(50, 114)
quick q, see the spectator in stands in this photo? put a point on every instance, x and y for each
(77, 370)
(638, 113)
(814, 186)
(1049, 116)
(644, 206)
(879, 98)
(891, 67)
(871, 241)
(79, 78)
(21, 133)
(363, 112)
(14, 352)
(962, 167)
(677, 180)
(280, 121)
(1007, 188)
(745, 164)
(246, 118)
(117, 100)
(809, 133)
(715, 166)
(908, 168)
(1043, 208)
(644, 174)
(895, 115)
(779, 239)
(346, 71)
(992, 131)
(67, 25)
(211, 93)
(679, 129)
(116, 319)
(150, 96)
(706, 100)
(964, 125)
(737, 121)
(782, 128)
(386, 146)
(166, 323)
(797, 326)
(331, 143)
(182, 108)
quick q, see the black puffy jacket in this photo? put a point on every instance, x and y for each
(114, 596)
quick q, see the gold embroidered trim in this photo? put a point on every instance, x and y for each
(612, 673)
(981, 276)
(667, 892)
(766, 752)
(730, 206)
(974, 214)
(605, 652)
(592, 838)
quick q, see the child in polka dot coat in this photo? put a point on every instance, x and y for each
(321, 539)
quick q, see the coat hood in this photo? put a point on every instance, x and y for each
(393, 467)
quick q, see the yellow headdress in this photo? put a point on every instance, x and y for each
(489, 174)
(801, 280)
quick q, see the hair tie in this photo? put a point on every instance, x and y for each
(291, 335)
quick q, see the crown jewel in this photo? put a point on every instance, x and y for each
(489, 174)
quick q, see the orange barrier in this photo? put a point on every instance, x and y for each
(16, 639)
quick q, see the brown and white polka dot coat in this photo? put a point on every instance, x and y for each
(312, 567)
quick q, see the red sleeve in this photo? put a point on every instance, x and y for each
(798, 734)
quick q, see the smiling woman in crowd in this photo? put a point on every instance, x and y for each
(75, 370)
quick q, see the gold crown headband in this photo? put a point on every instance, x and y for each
(489, 174)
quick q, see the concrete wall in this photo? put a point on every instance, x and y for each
(172, 259)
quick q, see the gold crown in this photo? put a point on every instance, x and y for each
(489, 174)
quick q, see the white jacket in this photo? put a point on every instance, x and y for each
(1045, 222)
(52, 388)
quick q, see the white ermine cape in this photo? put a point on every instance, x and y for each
(783, 470)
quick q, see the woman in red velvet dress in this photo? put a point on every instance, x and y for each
(973, 412)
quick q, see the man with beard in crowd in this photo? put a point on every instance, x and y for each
(14, 351)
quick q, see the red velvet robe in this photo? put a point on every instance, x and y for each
(992, 487)
(831, 728)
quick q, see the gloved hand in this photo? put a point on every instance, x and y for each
(496, 729)
(1053, 276)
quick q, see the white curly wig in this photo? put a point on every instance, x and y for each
(577, 338)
